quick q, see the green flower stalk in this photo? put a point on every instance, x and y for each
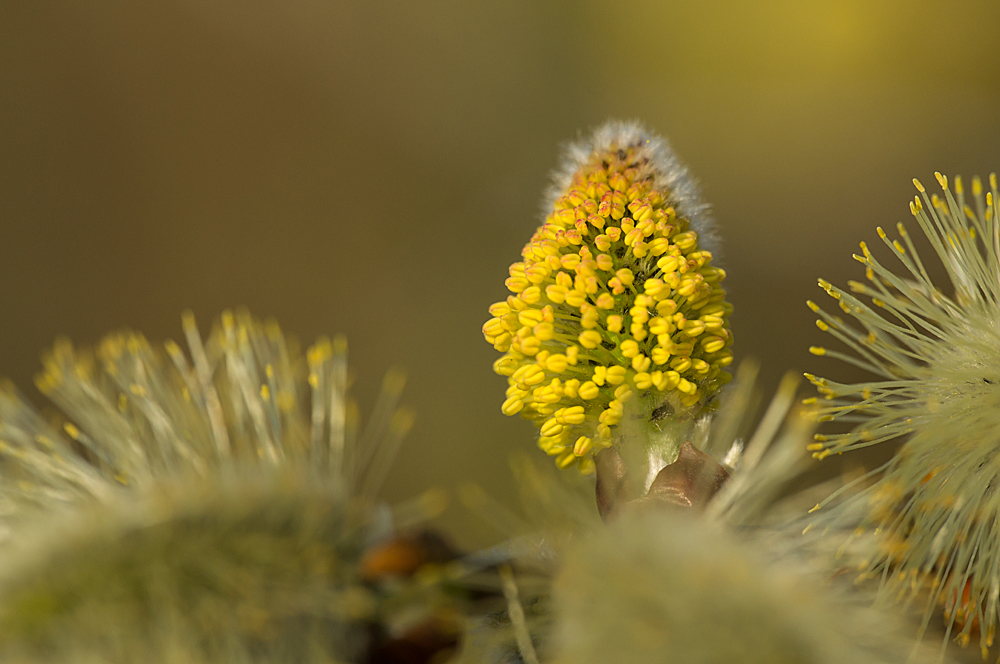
(616, 310)
(933, 513)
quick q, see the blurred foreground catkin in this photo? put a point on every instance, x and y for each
(212, 507)
(664, 587)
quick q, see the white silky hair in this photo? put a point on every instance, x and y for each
(666, 168)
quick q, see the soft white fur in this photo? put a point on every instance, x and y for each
(669, 173)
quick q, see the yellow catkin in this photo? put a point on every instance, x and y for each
(616, 296)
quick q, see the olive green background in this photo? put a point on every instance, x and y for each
(372, 168)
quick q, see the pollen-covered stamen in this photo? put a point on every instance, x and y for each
(627, 287)
(935, 511)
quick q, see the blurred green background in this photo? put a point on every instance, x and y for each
(372, 168)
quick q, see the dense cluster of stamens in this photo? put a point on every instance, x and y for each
(935, 510)
(614, 299)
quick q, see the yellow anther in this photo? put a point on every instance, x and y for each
(516, 304)
(590, 339)
(565, 460)
(713, 344)
(556, 363)
(657, 289)
(632, 237)
(680, 364)
(529, 317)
(670, 380)
(570, 261)
(575, 298)
(700, 367)
(582, 446)
(512, 406)
(516, 284)
(942, 180)
(605, 301)
(660, 355)
(573, 415)
(505, 366)
(537, 273)
(544, 331)
(629, 348)
(660, 325)
(533, 375)
(600, 375)
(502, 343)
(616, 375)
(822, 325)
(531, 295)
(623, 393)
(588, 390)
(529, 345)
(817, 350)
(693, 328)
(625, 276)
(666, 308)
(643, 380)
(609, 417)
(572, 353)
(614, 323)
(920, 187)
(551, 428)
(686, 241)
(659, 246)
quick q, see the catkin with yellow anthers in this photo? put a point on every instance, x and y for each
(933, 353)
(615, 284)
